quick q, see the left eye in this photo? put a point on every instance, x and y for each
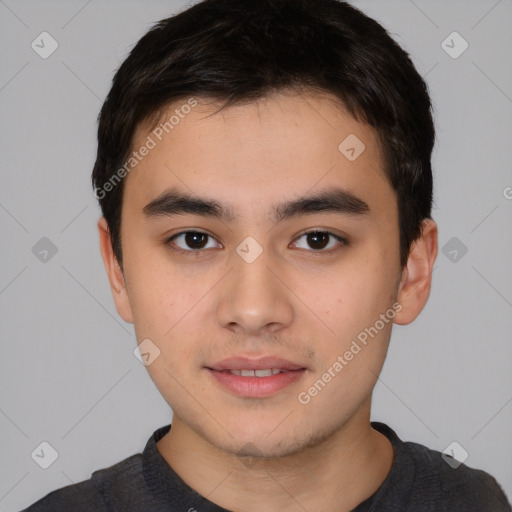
(319, 240)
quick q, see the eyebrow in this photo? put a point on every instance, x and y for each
(174, 202)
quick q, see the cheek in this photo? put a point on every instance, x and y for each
(167, 307)
(357, 298)
(153, 306)
(158, 293)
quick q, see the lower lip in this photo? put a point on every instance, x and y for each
(256, 387)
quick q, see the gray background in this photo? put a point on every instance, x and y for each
(68, 373)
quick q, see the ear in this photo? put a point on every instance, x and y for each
(414, 288)
(114, 272)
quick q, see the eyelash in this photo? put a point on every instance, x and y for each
(196, 252)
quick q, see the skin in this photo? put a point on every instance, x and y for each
(294, 301)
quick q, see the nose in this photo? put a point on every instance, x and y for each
(254, 297)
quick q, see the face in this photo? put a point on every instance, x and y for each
(252, 240)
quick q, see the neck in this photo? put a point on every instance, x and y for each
(336, 474)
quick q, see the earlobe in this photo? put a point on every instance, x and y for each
(414, 288)
(114, 272)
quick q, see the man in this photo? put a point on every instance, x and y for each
(264, 174)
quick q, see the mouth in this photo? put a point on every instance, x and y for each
(267, 363)
(256, 378)
(256, 373)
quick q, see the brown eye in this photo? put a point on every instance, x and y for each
(190, 241)
(320, 240)
(195, 240)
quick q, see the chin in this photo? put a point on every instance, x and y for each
(263, 448)
(266, 440)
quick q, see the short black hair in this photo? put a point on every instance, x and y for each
(238, 51)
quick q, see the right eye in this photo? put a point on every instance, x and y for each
(194, 240)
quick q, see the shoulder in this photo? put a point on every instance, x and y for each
(425, 480)
(454, 486)
(96, 494)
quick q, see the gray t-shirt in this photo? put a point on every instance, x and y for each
(419, 481)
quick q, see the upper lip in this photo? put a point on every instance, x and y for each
(262, 363)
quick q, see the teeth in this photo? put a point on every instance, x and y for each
(256, 373)
(263, 373)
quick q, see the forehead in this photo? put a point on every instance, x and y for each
(282, 144)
